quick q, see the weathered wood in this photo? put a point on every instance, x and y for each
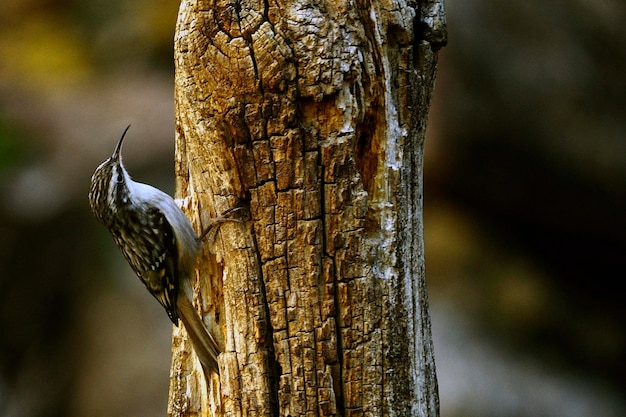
(313, 114)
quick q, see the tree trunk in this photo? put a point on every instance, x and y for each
(312, 115)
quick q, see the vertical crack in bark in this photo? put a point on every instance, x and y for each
(273, 367)
(338, 382)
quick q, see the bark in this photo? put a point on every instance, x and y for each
(311, 114)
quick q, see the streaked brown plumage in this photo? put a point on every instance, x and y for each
(159, 243)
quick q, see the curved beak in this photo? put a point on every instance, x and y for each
(118, 148)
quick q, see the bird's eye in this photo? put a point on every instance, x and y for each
(120, 177)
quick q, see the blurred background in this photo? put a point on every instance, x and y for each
(525, 203)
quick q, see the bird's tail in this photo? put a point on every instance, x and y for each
(203, 343)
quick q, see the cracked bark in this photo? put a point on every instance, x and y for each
(313, 114)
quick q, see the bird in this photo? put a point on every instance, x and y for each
(159, 243)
